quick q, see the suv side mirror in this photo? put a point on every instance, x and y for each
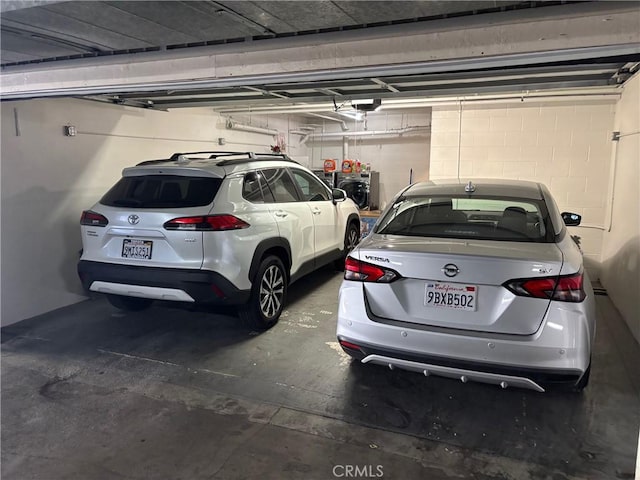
(571, 219)
(338, 195)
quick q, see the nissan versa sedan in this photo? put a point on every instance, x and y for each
(477, 282)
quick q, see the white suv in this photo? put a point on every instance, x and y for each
(223, 228)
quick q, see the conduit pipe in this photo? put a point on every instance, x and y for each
(609, 93)
(367, 133)
(342, 123)
(231, 125)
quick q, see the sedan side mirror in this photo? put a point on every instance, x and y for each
(338, 195)
(571, 219)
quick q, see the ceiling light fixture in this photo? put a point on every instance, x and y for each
(367, 104)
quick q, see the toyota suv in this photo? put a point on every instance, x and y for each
(221, 228)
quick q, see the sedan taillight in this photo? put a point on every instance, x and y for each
(93, 219)
(367, 272)
(567, 288)
(206, 223)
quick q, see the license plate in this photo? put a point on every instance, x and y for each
(455, 296)
(137, 249)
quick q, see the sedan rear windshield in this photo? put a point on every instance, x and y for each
(162, 191)
(480, 218)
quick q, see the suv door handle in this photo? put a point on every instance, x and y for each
(316, 211)
(281, 213)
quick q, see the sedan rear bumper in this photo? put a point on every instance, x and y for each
(457, 373)
(558, 353)
(173, 284)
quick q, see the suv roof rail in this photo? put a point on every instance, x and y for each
(256, 156)
(246, 157)
(176, 157)
(151, 162)
(212, 154)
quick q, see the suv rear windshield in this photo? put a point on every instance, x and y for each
(162, 191)
(481, 218)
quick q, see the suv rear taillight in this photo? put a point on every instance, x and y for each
(93, 219)
(567, 288)
(206, 223)
(367, 272)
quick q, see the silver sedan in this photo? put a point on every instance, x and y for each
(478, 282)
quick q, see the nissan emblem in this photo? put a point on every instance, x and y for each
(450, 270)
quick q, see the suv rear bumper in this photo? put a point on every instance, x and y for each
(203, 286)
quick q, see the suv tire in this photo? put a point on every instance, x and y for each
(130, 304)
(351, 239)
(268, 295)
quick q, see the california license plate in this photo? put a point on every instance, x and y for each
(455, 296)
(137, 248)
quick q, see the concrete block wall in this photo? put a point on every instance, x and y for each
(565, 145)
(621, 248)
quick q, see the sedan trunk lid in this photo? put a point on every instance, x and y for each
(458, 284)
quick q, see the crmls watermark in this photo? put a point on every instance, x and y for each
(358, 471)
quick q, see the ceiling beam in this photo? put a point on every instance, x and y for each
(266, 92)
(329, 91)
(385, 85)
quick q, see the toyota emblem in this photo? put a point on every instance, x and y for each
(134, 219)
(450, 270)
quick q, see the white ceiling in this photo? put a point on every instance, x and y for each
(58, 30)
(53, 36)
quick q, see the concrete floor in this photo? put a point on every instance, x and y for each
(89, 393)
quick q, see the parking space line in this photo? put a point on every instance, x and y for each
(135, 357)
(163, 362)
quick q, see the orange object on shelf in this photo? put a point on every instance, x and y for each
(329, 165)
(347, 166)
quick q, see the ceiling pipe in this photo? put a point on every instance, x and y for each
(593, 93)
(231, 125)
(367, 133)
(342, 123)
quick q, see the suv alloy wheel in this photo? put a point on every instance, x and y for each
(268, 295)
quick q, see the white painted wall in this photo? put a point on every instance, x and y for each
(393, 156)
(565, 145)
(621, 245)
(48, 179)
